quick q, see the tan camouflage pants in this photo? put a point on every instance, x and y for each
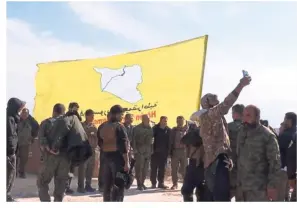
(23, 156)
(85, 171)
(141, 167)
(253, 196)
(179, 161)
(56, 167)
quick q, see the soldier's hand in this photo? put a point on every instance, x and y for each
(245, 81)
(292, 183)
(229, 163)
(44, 148)
(54, 152)
(272, 194)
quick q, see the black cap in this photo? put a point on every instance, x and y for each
(116, 109)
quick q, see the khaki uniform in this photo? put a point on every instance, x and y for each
(53, 166)
(142, 141)
(85, 170)
(259, 165)
(25, 140)
(178, 153)
(234, 128)
(129, 130)
(65, 132)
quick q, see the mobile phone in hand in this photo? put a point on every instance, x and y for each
(245, 73)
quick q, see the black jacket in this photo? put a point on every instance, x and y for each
(161, 139)
(284, 141)
(291, 159)
(12, 119)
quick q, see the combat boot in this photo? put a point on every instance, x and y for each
(69, 191)
(162, 186)
(88, 188)
(81, 190)
(144, 187)
(188, 198)
(140, 187)
(174, 187)
(10, 199)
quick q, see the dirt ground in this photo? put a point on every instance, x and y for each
(25, 190)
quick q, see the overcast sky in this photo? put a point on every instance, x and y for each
(260, 37)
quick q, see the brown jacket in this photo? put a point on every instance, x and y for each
(214, 129)
(176, 135)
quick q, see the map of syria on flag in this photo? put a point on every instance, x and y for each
(165, 81)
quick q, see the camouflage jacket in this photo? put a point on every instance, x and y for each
(234, 127)
(43, 133)
(91, 132)
(24, 133)
(258, 161)
(214, 130)
(129, 130)
(142, 139)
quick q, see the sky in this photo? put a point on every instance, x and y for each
(260, 37)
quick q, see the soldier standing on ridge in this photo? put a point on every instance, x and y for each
(160, 152)
(101, 157)
(216, 143)
(178, 150)
(115, 146)
(27, 131)
(234, 127)
(259, 165)
(85, 170)
(142, 145)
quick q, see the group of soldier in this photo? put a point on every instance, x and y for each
(243, 159)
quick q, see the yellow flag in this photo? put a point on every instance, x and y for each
(165, 81)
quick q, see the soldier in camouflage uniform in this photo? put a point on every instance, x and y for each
(234, 127)
(259, 165)
(27, 131)
(216, 143)
(129, 128)
(54, 164)
(142, 141)
(177, 150)
(85, 170)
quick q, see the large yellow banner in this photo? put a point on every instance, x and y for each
(165, 81)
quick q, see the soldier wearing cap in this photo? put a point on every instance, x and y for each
(115, 149)
(216, 143)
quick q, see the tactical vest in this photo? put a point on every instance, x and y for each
(109, 136)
